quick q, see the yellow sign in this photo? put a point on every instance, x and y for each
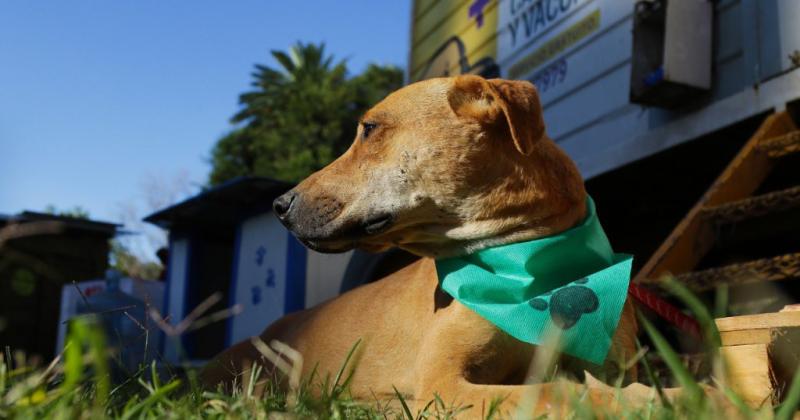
(451, 37)
(454, 37)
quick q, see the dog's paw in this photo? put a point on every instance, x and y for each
(568, 304)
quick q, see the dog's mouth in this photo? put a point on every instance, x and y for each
(327, 247)
(378, 224)
(350, 235)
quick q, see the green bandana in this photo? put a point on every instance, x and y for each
(571, 284)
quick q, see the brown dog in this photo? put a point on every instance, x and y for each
(441, 167)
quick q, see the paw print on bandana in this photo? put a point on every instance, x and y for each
(568, 304)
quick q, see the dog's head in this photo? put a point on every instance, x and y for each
(440, 167)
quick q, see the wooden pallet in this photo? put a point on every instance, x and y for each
(729, 200)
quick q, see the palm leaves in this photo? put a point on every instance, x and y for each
(304, 66)
(299, 115)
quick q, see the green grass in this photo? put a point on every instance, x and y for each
(78, 385)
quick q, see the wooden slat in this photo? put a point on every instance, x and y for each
(778, 268)
(751, 207)
(781, 146)
(738, 338)
(693, 236)
(759, 321)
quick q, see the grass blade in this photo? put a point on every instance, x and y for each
(153, 398)
(697, 308)
(673, 361)
(721, 299)
(406, 410)
(653, 378)
(494, 407)
(427, 406)
(792, 400)
(344, 365)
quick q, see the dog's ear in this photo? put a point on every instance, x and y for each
(523, 110)
(497, 101)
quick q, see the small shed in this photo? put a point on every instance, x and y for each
(39, 254)
(227, 241)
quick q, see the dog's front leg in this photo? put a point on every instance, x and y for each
(557, 399)
(464, 359)
(524, 401)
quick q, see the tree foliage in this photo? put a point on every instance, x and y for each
(299, 116)
(130, 265)
(76, 212)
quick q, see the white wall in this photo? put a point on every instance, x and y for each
(260, 276)
(176, 292)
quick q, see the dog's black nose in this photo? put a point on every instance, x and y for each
(283, 204)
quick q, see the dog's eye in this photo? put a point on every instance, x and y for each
(366, 128)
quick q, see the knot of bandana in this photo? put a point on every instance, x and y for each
(570, 285)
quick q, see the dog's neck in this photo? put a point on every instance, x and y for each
(548, 226)
(540, 228)
(555, 196)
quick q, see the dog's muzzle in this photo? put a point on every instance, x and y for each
(314, 221)
(306, 217)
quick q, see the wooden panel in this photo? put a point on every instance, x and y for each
(727, 30)
(730, 70)
(421, 7)
(768, 27)
(589, 104)
(788, 30)
(737, 338)
(759, 321)
(588, 64)
(749, 373)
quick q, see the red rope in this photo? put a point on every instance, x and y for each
(665, 310)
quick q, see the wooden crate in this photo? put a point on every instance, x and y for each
(761, 353)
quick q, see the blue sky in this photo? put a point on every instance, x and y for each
(99, 99)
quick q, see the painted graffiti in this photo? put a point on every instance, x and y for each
(269, 279)
(255, 295)
(261, 252)
(476, 11)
